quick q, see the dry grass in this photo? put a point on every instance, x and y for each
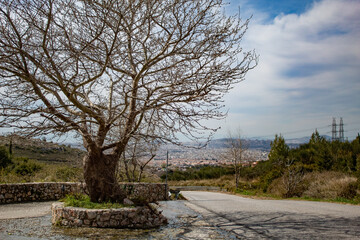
(277, 188)
(329, 185)
(320, 185)
(47, 173)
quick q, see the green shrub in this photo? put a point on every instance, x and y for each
(265, 181)
(83, 201)
(245, 186)
(68, 174)
(27, 167)
(5, 159)
(203, 172)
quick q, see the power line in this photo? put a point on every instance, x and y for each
(292, 132)
(341, 130)
(333, 130)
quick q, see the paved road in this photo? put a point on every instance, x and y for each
(25, 210)
(248, 218)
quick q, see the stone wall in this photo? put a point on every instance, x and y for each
(137, 217)
(32, 192)
(151, 192)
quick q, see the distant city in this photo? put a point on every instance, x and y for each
(189, 155)
(214, 153)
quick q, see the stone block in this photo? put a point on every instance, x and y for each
(114, 223)
(132, 215)
(91, 214)
(105, 216)
(9, 195)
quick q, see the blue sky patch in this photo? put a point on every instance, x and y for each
(305, 70)
(276, 7)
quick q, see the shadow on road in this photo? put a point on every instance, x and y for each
(246, 225)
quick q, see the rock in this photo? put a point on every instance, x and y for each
(128, 202)
(132, 215)
(78, 222)
(8, 195)
(124, 222)
(114, 223)
(105, 217)
(91, 214)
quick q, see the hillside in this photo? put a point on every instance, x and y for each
(42, 150)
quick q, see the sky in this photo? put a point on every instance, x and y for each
(308, 71)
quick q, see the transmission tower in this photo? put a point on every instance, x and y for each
(334, 132)
(341, 130)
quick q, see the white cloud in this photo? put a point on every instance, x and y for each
(309, 70)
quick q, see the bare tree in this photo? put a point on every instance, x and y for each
(138, 155)
(236, 147)
(110, 69)
(292, 177)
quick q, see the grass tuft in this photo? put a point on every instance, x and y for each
(83, 201)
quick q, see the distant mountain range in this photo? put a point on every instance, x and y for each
(258, 144)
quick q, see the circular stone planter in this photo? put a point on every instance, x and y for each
(137, 217)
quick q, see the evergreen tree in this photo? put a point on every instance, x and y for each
(279, 151)
(5, 159)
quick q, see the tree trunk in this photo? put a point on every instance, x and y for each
(100, 178)
(237, 176)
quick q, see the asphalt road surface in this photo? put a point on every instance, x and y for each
(25, 210)
(247, 218)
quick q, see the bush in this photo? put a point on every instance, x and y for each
(204, 172)
(316, 185)
(244, 186)
(266, 180)
(68, 174)
(282, 187)
(330, 185)
(349, 191)
(5, 159)
(27, 167)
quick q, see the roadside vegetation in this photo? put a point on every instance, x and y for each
(33, 160)
(22, 170)
(317, 170)
(198, 173)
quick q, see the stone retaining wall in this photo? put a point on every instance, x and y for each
(151, 192)
(137, 217)
(32, 192)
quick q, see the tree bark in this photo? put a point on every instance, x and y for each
(237, 175)
(100, 177)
